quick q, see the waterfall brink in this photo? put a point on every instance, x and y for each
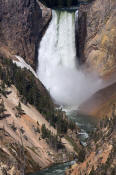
(58, 45)
(57, 62)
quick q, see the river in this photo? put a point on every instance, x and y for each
(55, 170)
(86, 124)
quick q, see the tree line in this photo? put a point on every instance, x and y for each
(31, 91)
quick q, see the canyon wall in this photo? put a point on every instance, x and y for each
(22, 24)
(97, 39)
(101, 103)
(100, 155)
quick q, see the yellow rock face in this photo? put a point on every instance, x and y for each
(100, 48)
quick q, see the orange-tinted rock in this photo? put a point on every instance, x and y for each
(99, 46)
(21, 26)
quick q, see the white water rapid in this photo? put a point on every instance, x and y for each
(57, 63)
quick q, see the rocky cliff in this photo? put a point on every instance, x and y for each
(97, 39)
(99, 53)
(22, 24)
(33, 134)
(100, 158)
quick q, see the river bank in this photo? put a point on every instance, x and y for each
(86, 125)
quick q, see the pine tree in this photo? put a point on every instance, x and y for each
(20, 111)
(92, 172)
(2, 109)
(2, 89)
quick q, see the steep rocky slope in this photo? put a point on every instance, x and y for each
(21, 26)
(33, 134)
(97, 50)
(97, 39)
(100, 104)
(23, 134)
(101, 150)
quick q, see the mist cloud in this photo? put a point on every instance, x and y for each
(71, 86)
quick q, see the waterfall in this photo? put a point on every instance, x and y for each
(58, 44)
(57, 63)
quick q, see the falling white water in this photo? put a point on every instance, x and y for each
(57, 63)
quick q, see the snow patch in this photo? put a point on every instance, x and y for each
(22, 64)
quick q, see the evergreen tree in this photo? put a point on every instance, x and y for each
(20, 111)
(92, 172)
(3, 89)
(2, 109)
